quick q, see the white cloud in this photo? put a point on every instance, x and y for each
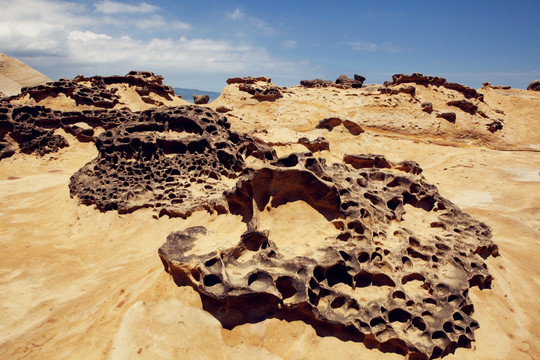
(115, 7)
(158, 22)
(372, 47)
(261, 25)
(289, 43)
(63, 39)
(236, 14)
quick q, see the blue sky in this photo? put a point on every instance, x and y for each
(199, 44)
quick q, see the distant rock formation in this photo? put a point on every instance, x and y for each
(201, 99)
(356, 82)
(535, 85)
(342, 82)
(260, 88)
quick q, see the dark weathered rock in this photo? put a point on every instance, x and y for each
(164, 158)
(494, 126)
(248, 80)
(499, 87)
(534, 86)
(94, 90)
(201, 99)
(448, 116)
(316, 83)
(356, 82)
(269, 93)
(330, 123)
(319, 144)
(464, 105)
(427, 107)
(260, 88)
(422, 308)
(424, 80)
(411, 90)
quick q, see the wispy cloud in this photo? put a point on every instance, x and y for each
(236, 14)
(372, 47)
(289, 43)
(115, 7)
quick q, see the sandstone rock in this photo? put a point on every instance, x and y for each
(201, 99)
(377, 253)
(535, 85)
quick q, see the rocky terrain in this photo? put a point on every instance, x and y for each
(376, 221)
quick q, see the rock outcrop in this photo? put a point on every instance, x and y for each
(342, 82)
(167, 159)
(380, 278)
(424, 80)
(200, 99)
(356, 82)
(97, 91)
(261, 88)
(535, 85)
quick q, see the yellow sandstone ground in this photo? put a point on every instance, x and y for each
(77, 283)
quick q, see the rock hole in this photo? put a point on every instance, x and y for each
(399, 315)
(285, 286)
(338, 274)
(419, 323)
(338, 302)
(382, 280)
(211, 280)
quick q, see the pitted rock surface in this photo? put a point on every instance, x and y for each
(173, 159)
(395, 275)
(94, 91)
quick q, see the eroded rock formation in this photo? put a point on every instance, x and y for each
(424, 80)
(260, 88)
(98, 91)
(395, 274)
(176, 160)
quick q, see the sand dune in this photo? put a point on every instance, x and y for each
(14, 74)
